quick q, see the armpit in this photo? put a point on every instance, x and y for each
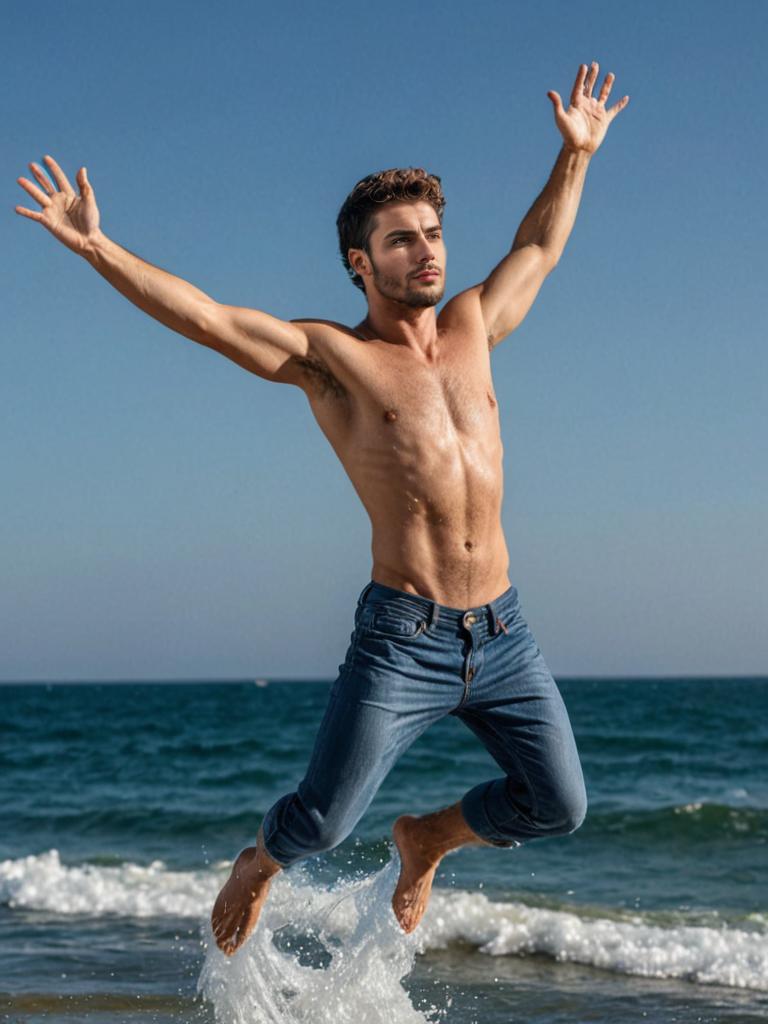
(319, 379)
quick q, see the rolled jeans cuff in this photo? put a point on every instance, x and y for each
(474, 806)
(269, 827)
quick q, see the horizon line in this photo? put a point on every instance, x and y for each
(262, 680)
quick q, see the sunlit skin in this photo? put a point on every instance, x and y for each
(409, 266)
(405, 398)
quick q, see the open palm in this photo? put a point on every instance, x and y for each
(584, 124)
(71, 218)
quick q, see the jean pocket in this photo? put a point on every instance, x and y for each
(391, 624)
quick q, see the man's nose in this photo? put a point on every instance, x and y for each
(426, 251)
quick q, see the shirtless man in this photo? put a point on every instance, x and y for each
(407, 402)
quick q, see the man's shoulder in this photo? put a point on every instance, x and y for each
(463, 306)
(317, 326)
(462, 317)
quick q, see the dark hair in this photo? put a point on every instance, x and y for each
(355, 219)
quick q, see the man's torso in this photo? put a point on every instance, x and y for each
(418, 435)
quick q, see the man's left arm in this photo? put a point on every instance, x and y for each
(508, 292)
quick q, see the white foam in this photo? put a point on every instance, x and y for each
(360, 958)
(723, 956)
(354, 923)
(130, 890)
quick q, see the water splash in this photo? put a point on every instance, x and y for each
(334, 956)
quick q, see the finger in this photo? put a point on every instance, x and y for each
(44, 181)
(32, 214)
(578, 85)
(85, 187)
(617, 107)
(58, 175)
(556, 102)
(606, 90)
(34, 191)
(591, 78)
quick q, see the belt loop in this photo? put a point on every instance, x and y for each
(496, 622)
(364, 594)
(433, 615)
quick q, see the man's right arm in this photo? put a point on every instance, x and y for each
(271, 348)
(258, 342)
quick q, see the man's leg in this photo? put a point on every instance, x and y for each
(377, 707)
(514, 707)
(523, 723)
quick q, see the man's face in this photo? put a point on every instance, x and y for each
(406, 254)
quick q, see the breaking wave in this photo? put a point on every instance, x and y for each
(315, 939)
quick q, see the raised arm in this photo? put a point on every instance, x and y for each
(260, 343)
(508, 292)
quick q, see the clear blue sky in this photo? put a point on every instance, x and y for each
(167, 515)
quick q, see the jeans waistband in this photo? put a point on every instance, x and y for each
(487, 619)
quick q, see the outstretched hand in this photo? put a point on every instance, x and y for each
(72, 218)
(584, 124)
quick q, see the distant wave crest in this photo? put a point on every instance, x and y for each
(697, 821)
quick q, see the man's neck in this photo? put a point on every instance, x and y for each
(399, 324)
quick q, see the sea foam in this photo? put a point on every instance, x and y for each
(324, 934)
(318, 957)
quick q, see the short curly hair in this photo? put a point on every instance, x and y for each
(355, 219)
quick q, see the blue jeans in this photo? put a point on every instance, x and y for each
(410, 662)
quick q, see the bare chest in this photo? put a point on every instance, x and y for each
(452, 396)
(385, 404)
(387, 391)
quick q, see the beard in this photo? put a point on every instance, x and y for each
(417, 298)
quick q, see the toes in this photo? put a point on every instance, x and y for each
(236, 937)
(229, 944)
(223, 926)
(225, 930)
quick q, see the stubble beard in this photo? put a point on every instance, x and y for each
(391, 288)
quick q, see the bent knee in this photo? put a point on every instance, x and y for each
(575, 817)
(564, 814)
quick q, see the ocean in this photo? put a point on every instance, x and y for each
(122, 805)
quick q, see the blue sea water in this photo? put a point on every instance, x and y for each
(122, 805)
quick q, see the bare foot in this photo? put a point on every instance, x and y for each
(239, 903)
(417, 871)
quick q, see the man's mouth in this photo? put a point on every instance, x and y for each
(427, 275)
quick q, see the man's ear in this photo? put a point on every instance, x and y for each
(360, 262)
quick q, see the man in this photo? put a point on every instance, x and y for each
(407, 402)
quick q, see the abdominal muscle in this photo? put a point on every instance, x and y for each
(434, 500)
(422, 561)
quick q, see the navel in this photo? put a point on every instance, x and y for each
(468, 545)
(390, 415)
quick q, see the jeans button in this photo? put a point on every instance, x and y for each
(469, 619)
